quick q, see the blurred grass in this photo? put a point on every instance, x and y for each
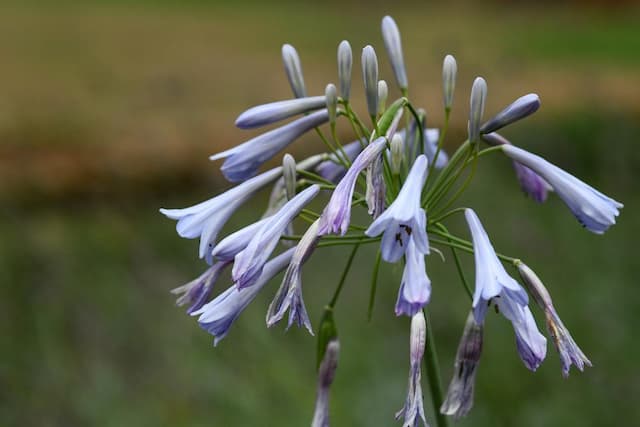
(108, 111)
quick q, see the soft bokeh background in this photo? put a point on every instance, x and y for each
(108, 110)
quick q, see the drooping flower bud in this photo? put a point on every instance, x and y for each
(293, 68)
(393, 44)
(459, 400)
(290, 175)
(449, 71)
(397, 153)
(383, 93)
(331, 95)
(326, 373)
(370, 77)
(518, 109)
(478, 95)
(345, 63)
(413, 409)
(567, 348)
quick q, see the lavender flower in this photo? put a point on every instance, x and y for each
(206, 219)
(594, 210)
(293, 68)
(530, 182)
(376, 188)
(567, 348)
(265, 114)
(250, 261)
(404, 219)
(493, 284)
(345, 63)
(393, 44)
(196, 292)
(217, 316)
(413, 410)
(289, 295)
(331, 169)
(230, 246)
(478, 95)
(326, 373)
(337, 213)
(415, 289)
(449, 71)
(518, 109)
(243, 161)
(370, 77)
(459, 400)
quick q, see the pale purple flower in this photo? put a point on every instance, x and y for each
(331, 169)
(326, 373)
(249, 262)
(404, 219)
(265, 114)
(345, 64)
(594, 210)
(230, 246)
(217, 316)
(376, 188)
(293, 68)
(289, 295)
(449, 71)
(530, 182)
(370, 77)
(206, 219)
(478, 96)
(517, 110)
(459, 400)
(413, 410)
(196, 292)
(415, 289)
(567, 348)
(244, 160)
(494, 285)
(393, 44)
(336, 215)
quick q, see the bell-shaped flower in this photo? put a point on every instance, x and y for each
(459, 400)
(530, 182)
(196, 292)
(217, 316)
(289, 295)
(265, 114)
(326, 373)
(345, 64)
(331, 169)
(478, 96)
(336, 215)
(250, 261)
(415, 289)
(517, 110)
(413, 410)
(230, 246)
(404, 219)
(494, 285)
(594, 210)
(244, 160)
(370, 77)
(567, 348)
(393, 44)
(293, 68)
(206, 219)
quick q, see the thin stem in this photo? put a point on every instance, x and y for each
(457, 262)
(433, 374)
(374, 285)
(347, 267)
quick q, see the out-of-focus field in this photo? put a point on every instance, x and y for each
(108, 111)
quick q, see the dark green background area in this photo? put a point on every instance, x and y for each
(108, 111)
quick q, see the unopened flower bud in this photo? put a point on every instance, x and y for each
(567, 348)
(331, 95)
(393, 44)
(449, 71)
(345, 63)
(326, 373)
(478, 95)
(293, 68)
(370, 77)
(376, 188)
(397, 153)
(413, 410)
(290, 175)
(459, 400)
(518, 109)
(383, 93)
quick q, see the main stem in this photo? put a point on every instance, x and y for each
(433, 374)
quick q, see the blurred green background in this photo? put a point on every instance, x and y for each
(108, 111)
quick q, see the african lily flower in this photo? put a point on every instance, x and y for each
(415, 288)
(413, 410)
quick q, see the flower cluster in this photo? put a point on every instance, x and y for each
(397, 170)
